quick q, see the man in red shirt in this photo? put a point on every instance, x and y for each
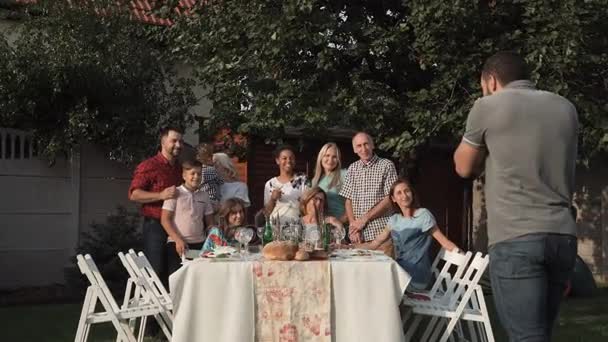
(155, 180)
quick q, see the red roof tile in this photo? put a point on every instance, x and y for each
(141, 9)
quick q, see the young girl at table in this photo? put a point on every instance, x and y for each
(411, 230)
(232, 216)
(314, 204)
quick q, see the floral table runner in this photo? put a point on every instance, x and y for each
(292, 301)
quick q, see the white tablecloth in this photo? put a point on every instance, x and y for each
(214, 301)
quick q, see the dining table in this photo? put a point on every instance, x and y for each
(348, 297)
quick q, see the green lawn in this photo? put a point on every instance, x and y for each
(49, 323)
(581, 320)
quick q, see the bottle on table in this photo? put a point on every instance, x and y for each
(267, 237)
(326, 236)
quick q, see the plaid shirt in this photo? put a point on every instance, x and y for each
(211, 182)
(154, 175)
(367, 184)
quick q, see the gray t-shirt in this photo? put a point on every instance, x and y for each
(531, 139)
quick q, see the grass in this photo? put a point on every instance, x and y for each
(50, 323)
(581, 320)
(584, 319)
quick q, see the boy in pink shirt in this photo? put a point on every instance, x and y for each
(186, 217)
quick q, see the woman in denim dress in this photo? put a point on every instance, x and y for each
(411, 229)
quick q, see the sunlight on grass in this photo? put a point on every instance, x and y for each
(581, 320)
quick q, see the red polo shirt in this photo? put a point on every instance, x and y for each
(154, 175)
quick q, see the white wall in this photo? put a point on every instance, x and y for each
(37, 218)
(104, 186)
(44, 209)
(201, 110)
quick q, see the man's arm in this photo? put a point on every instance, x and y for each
(379, 209)
(142, 196)
(470, 155)
(376, 211)
(468, 160)
(140, 182)
(348, 206)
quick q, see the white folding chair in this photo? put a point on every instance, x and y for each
(478, 320)
(453, 265)
(139, 291)
(465, 302)
(142, 267)
(99, 291)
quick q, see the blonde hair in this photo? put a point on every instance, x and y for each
(309, 195)
(336, 180)
(223, 160)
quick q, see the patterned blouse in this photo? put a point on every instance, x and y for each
(289, 203)
(215, 238)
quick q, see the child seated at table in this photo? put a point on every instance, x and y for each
(184, 218)
(231, 216)
(411, 229)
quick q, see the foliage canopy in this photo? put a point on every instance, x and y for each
(75, 74)
(407, 71)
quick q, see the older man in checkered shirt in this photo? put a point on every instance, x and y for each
(366, 189)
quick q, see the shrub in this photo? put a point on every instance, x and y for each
(119, 233)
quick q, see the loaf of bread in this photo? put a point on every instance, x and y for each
(302, 255)
(319, 254)
(280, 250)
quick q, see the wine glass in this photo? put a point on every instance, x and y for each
(260, 232)
(290, 233)
(312, 236)
(339, 234)
(243, 236)
(295, 231)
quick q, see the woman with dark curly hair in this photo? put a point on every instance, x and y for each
(282, 193)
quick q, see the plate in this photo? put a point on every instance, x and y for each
(221, 252)
(192, 253)
(358, 255)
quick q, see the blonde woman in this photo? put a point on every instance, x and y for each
(232, 187)
(313, 207)
(329, 176)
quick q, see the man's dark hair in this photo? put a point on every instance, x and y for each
(191, 164)
(281, 148)
(506, 66)
(165, 130)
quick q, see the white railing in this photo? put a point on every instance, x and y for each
(16, 144)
